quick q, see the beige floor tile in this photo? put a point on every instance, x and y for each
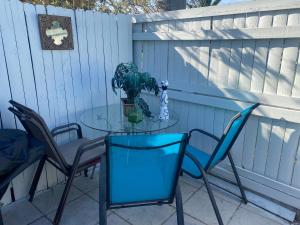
(187, 191)
(94, 194)
(187, 221)
(200, 207)
(42, 221)
(20, 213)
(86, 184)
(197, 183)
(246, 217)
(82, 211)
(113, 219)
(48, 201)
(146, 215)
(264, 213)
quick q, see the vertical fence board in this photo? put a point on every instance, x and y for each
(100, 59)
(262, 143)
(76, 72)
(161, 63)
(274, 151)
(19, 25)
(92, 59)
(7, 119)
(214, 63)
(83, 57)
(11, 53)
(288, 154)
(138, 54)
(250, 142)
(288, 65)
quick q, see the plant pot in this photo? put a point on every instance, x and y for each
(135, 116)
(127, 107)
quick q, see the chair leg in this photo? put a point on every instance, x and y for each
(85, 172)
(212, 198)
(181, 173)
(63, 199)
(179, 208)
(245, 200)
(36, 178)
(93, 172)
(1, 220)
(102, 194)
(2, 192)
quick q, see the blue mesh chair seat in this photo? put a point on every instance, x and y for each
(189, 166)
(141, 170)
(197, 163)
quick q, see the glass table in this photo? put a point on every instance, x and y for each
(111, 119)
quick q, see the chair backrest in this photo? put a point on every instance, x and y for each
(230, 135)
(37, 128)
(143, 169)
(20, 107)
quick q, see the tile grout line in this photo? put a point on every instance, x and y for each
(90, 197)
(121, 217)
(195, 218)
(265, 216)
(193, 185)
(205, 191)
(234, 213)
(188, 200)
(42, 216)
(68, 202)
(221, 196)
(166, 220)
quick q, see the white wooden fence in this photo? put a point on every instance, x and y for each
(220, 59)
(57, 84)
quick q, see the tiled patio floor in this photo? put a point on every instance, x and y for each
(82, 208)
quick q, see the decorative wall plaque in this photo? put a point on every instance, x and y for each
(56, 32)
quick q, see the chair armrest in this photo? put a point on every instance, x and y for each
(205, 133)
(87, 146)
(67, 128)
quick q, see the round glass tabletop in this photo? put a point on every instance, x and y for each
(111, 119)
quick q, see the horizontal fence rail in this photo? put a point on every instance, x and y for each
(219, 60)
(222, 10)
(218, 34)
(57, 84)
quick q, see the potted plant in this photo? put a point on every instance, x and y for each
(132, 82)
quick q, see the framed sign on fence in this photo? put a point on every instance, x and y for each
(56, 32)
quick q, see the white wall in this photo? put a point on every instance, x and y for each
(220, 59)
(57, 84)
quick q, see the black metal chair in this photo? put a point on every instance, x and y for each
(140, 170)
(70, 159)
(197, 163)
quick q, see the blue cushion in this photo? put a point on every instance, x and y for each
(139, 175)
(189, 165)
